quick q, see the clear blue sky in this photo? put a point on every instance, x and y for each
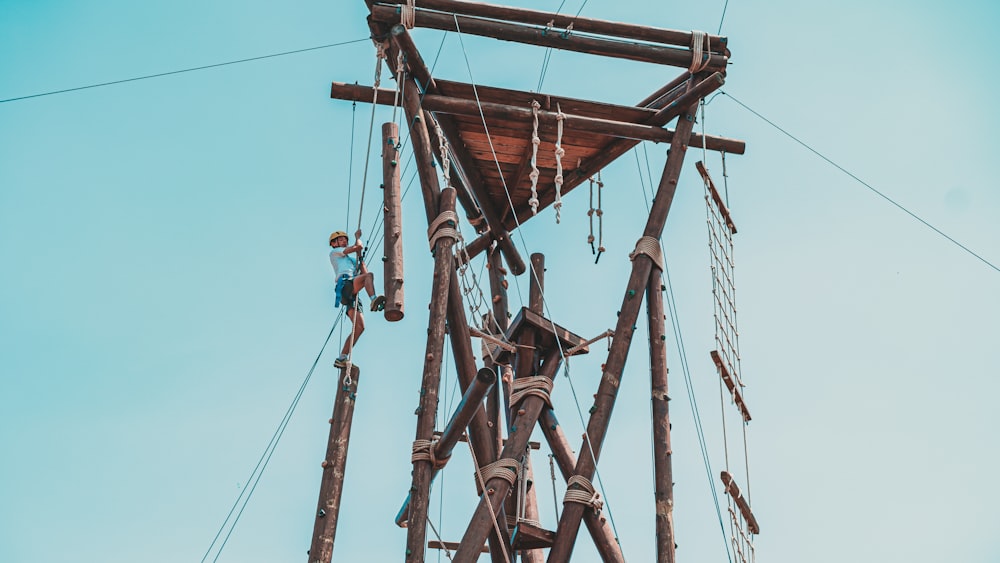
(166, 287)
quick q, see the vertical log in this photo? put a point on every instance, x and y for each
(393, 271)
(607, 392)
(332, 484)
(536, 302)
(497, 400)
(663, 487)
(435, 202)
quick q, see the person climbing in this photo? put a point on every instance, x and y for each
(351, 277)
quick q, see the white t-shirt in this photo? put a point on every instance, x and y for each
(343, 264)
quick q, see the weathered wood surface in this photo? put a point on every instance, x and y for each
(334, 465)
(533, 35)
(607, 392)
(563, 21)
(391, 201)
(663, 476)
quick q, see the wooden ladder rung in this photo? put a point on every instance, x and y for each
(527, 535)
(449, 545)
(730, 382)
(734, 491)
(716, 197)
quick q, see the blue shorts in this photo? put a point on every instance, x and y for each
(345, 292)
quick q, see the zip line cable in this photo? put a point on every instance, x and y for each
(265, 457)
(172, 72)
(863, 183)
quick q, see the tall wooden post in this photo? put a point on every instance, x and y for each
(435, 202)
(332, 485)
(393, 273)
(663, 486)
(536, 302)
(607, 392)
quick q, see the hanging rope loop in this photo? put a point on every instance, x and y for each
(701, 51)
(560, 152)
(423, 450)
(585, 495)
(535, 141)
(650, 247)
(536, 386)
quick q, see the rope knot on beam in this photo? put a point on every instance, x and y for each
(504, 468)
(537, 386)
(440, 229)
(423, 450)
(585, 495)
(650, 247)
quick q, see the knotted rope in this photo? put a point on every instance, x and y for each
(423, 450)
(560, 152)
(537, 386)
(535, 141)
(407, 15)
(586, 494)
(437, 230)
(701, 51)
(505, 468)
(650, 247)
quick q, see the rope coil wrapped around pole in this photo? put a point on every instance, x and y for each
(437, 230)
(505, 468)
(423, 450)
(585, 495)
(649, 246)
(538, 386)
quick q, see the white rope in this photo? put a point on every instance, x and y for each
(560, 152)
(407, 14)
(535, 141)
(701, 51)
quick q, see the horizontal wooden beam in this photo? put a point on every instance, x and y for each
(642, 52)
(566, 21)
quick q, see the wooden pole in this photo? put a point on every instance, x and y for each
(616, 48)
(393, 271)
(497, 489)
(435, 202)
(607, 392)
(471, 402)
(562, 21)
(602, 534)
(536, 302)
(663, 478)
(402, 42)
(332, 484)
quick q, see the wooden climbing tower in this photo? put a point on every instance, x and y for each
(506, 155)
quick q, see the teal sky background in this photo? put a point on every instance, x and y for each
(165, 284)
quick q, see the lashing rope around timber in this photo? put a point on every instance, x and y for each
(534, 386)
(701, 51)
(504, 468)
(649, 246)
(423, 450)
(407, 15)
(443, 226)
(585, 495)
